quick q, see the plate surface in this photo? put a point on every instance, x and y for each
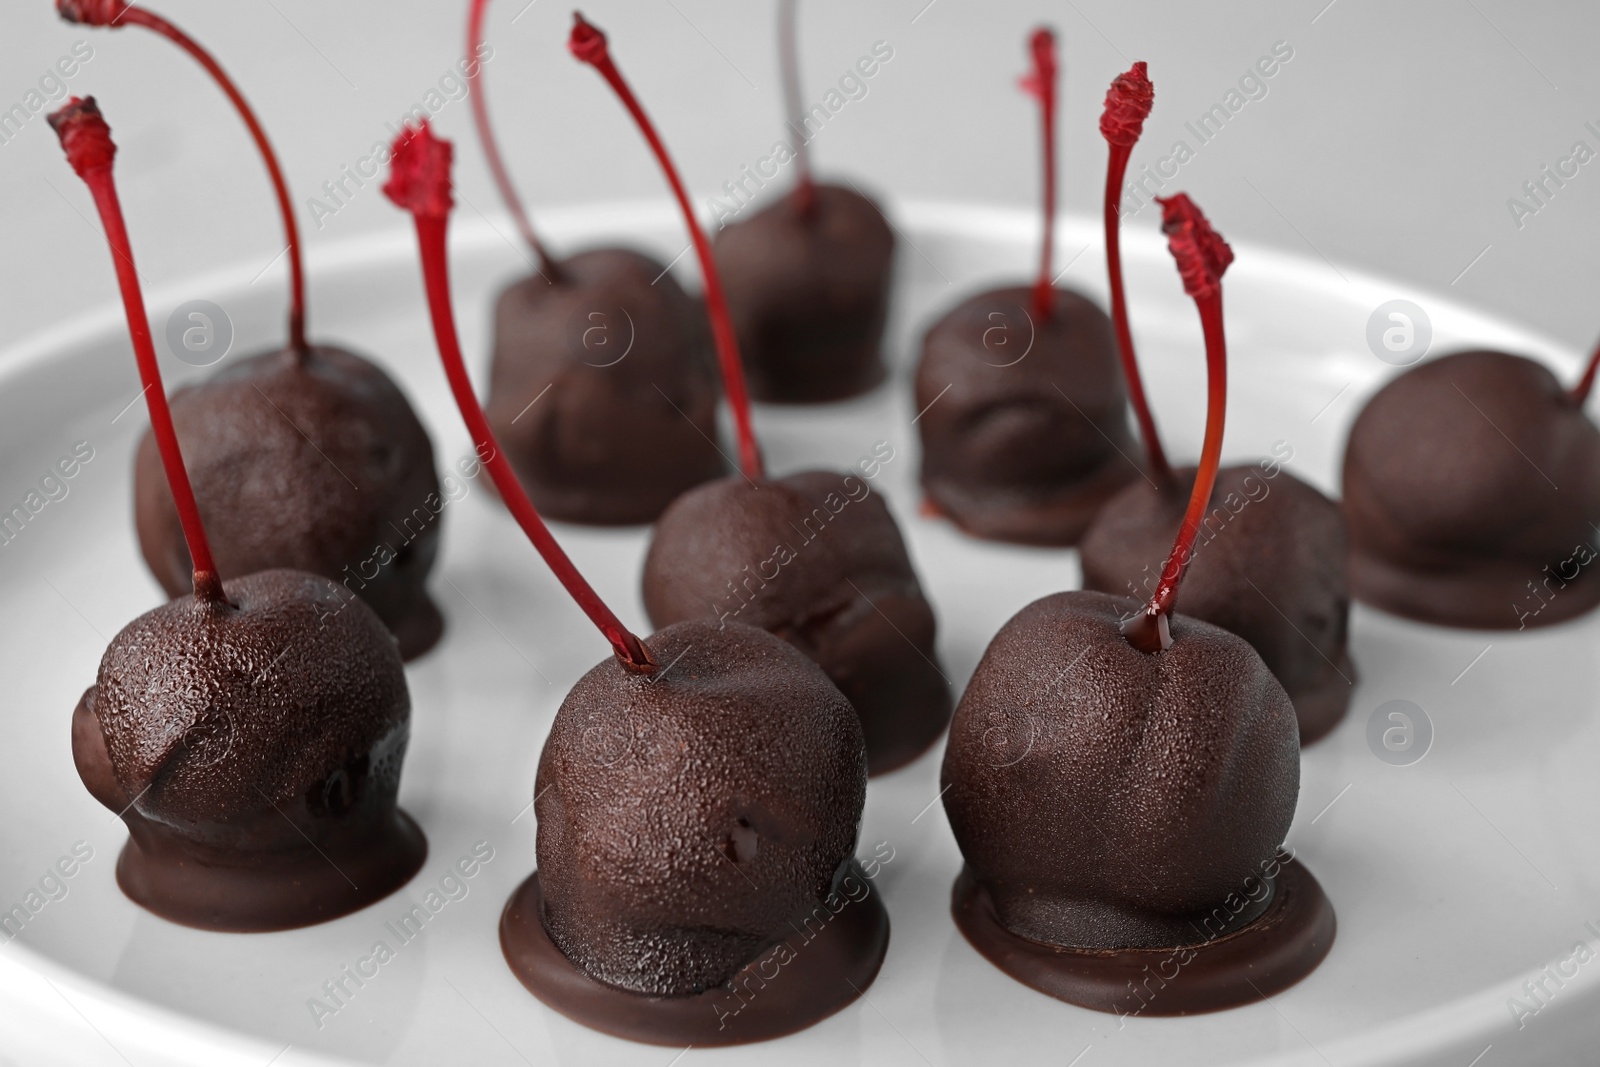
(1456, 879)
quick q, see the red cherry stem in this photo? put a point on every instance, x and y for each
(789, 54)
(588, 44)
(1128, 103)
(1580, 392)
(419, 182)
(87, 141)
(491, 146)
(1041, 84)
(1202, 256)
(115, 14)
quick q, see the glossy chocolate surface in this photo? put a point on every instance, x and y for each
(1024, 423)
(808, 292)
(1472, 490)
(603, 390)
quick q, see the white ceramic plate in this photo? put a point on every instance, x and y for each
(1456, 879)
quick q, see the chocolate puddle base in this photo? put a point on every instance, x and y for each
(245, 893)
(1268, 956)
(821, 976)
(1497, 595)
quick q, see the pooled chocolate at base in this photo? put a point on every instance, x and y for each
(1472, 490)
(254, 753)
(801, 980)
(689, 819)
(603, 390)
(809, 295)
(1236, 965)
(1269, 565)
(1108, 799)
(817, 559)
(310, 461)
(1024, 424)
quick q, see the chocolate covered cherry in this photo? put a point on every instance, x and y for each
(1120, 778)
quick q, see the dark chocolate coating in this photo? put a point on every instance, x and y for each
(1107, 798)
(1032, 436)
(253, 749)
(687, 817)
(809, 295)
(629, 419)
(817, 559)
(313, 463)
(1269, 565)
(1472, 490)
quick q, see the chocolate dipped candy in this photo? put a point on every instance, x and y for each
(253, 747)
(309, 457)
(698, 797)
(808, 280)
(1022, 409)
(817, 559)
(312, 460)
(1269, 565)
(1120, 778)
(602, 388)
(250, 736)
(808, 276)
(1472, 489)
(697, 827)
(600, 380)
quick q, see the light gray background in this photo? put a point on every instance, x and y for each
(1391, 142)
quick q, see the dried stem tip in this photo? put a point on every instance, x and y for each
(85, 137)
(1128, 104)
(92, 12)
(419, 173)
(588, 41)
(1201, 252)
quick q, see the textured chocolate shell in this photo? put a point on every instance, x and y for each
(688, 818)
(254, 750)
(1269, 565)
(315, 463)
(817, 559)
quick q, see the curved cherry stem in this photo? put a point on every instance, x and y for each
(419, 182)
(1041, 84)
(588, 44)
(115, 14)
(1580, 392)
(805, 191)
(491, 146)
(1202, 257)
(87, 141)
(1128, 103)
